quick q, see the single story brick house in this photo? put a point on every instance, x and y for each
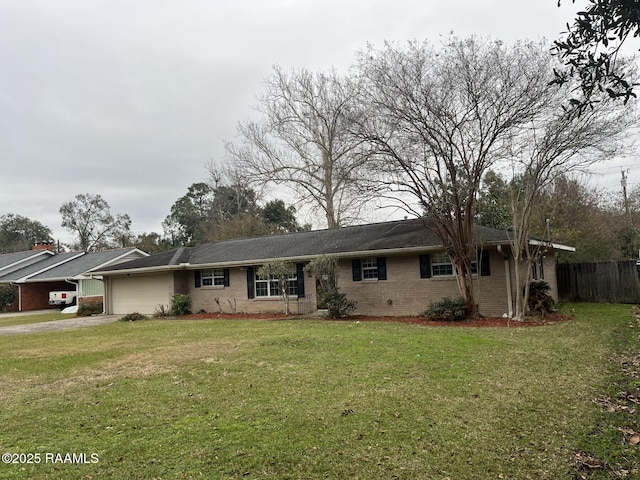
(392, 268)
(41, 271)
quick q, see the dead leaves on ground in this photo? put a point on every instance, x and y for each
(627, 403)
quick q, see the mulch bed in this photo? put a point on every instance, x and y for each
(419, 320)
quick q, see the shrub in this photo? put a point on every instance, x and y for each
(88, 309)
(161, 312)
(448, 310)
(540, 302)
(180, 304)
(325, 269)
(338, 305)
(7, 296)
(132, 317)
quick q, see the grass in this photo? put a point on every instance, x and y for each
(7, 321)
(302, 399)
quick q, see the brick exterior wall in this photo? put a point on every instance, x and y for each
(405, 293)
(90, 300)
(402, 293)
(234, 297)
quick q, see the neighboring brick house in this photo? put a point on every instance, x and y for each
(11, 262)
(392, 268)
(33, 280)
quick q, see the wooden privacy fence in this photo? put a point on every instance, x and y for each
(602, 282)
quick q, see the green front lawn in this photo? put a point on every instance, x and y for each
(305, 399)
(7, 321)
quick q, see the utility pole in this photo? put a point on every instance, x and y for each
(623, 182)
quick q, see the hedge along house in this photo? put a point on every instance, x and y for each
(63, 271)
(392, 268)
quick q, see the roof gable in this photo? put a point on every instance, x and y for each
(83, 264)
(22, 274)
(13, 261)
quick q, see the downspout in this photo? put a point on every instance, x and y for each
(507, 273)
(77, 285)
(104, 293)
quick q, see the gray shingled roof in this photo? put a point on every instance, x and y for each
(63, 265)
(8, 260)
(376, 237)
(47, 263)
(81, 265)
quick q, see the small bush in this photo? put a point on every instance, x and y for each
(7, 296)
(133, 317)
(338, 305)
(161, 312)
(448, 310)
(88, 309)
(540, 302)
(180, 304)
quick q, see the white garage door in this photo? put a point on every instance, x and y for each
(141, 293)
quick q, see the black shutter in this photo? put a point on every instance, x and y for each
(485, 263)
(198, 277)
(356, 269)
(300, 275)
(251, 278)
(225, 273)
(425, 266)
(381, 262)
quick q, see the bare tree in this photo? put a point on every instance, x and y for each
(303, 141)
(553, 144)
(89, 218)
(439, 119)
(278, 274)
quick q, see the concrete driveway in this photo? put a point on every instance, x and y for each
(76, 322)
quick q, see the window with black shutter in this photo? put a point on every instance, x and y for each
(485, 263)
(356, 269)
(369, 268)
(425, 266)
(300, 278)
(251, 278)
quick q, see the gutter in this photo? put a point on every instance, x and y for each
(256, 261)
(556, 246)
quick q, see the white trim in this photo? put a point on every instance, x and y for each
(556, 246)
(109, 262)
(16, 265)
(46, 269)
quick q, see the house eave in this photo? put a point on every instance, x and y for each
(137, 271)
(293, 259)
(553, 245)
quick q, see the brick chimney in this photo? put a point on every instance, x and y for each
(43, 246)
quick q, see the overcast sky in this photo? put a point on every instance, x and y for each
(129, 99)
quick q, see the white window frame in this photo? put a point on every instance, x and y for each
(369, 268)
(440, 262)
(268, 288)
(212, 277)
(441, 265)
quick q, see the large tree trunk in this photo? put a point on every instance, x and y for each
(523, 273)
(464, 278)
